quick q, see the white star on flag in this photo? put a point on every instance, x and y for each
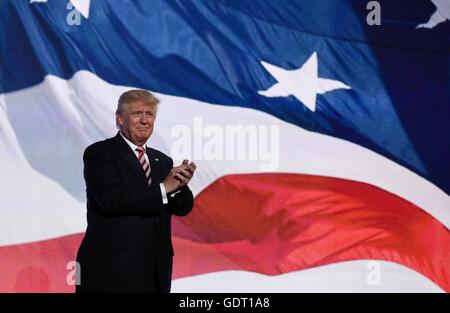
(302, 83)
(441, 14)
(82, 6)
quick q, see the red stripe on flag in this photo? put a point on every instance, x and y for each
(39, 266)
(270, 224)
(278, 223)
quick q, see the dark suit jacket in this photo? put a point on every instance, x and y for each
(128, 237)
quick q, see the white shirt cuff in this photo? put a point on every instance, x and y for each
(163, 193)
(173, 194)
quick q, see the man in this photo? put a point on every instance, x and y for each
(132, 191)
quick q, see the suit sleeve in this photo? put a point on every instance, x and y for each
(181, 201)
(103, 183)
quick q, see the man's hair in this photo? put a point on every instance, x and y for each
(133, 96)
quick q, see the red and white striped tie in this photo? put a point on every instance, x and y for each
(144, 163)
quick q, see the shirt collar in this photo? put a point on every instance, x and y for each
(132, 145)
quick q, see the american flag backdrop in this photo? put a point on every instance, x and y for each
(341, 182)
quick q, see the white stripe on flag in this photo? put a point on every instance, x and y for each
(50, 117)
(353, 276)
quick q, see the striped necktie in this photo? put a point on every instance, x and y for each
(144, 164)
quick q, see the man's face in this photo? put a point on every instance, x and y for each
(136, 121)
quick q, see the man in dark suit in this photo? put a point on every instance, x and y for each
(132, 191)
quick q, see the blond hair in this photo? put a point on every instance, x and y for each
(133, 96)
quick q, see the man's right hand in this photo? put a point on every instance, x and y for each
(170, 182)
(179, 176)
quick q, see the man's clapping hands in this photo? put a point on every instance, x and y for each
(179, 176)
